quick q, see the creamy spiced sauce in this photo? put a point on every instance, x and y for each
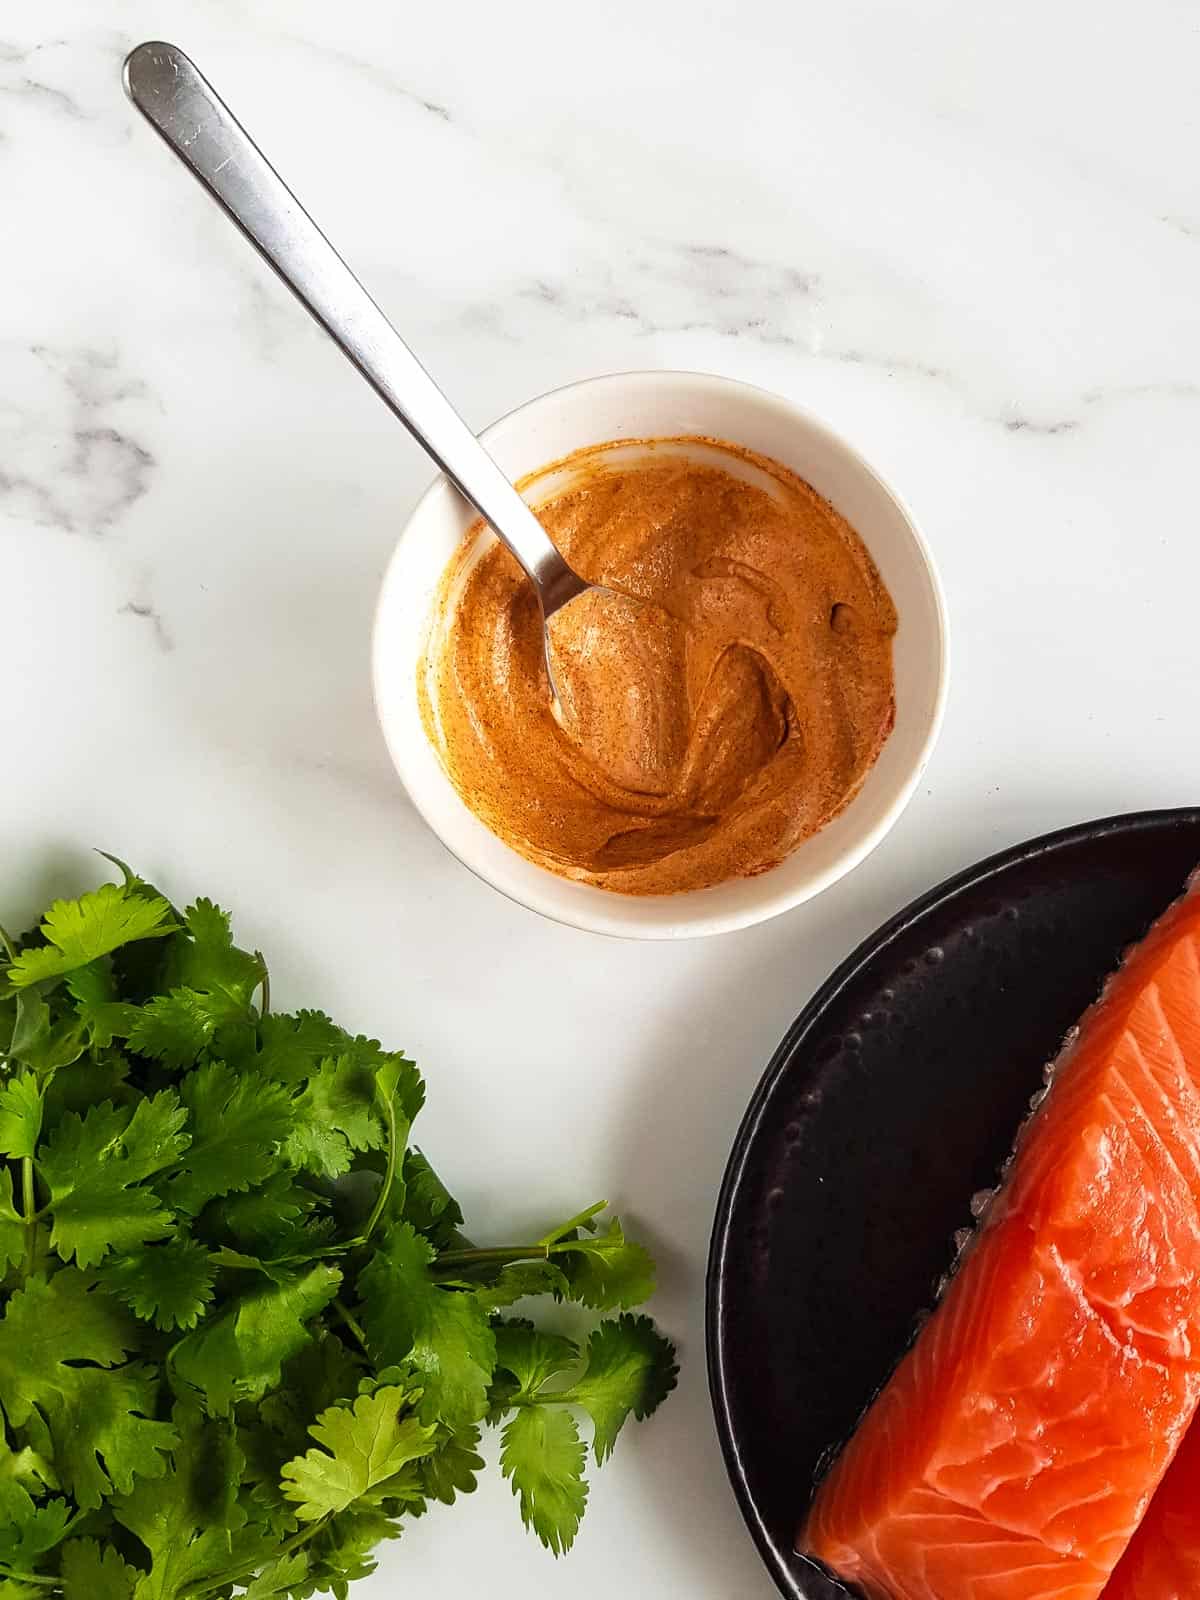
(717, 718)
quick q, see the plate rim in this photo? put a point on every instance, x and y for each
(1123, 823)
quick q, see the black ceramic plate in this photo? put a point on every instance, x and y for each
(893, 1098)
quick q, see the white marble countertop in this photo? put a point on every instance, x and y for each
(968, 237)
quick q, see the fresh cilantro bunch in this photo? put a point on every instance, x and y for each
(243, 1336)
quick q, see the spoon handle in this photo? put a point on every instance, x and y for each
(185, 109)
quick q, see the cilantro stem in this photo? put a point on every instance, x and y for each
(10, 949)
(28, 1577)
(553, 1244)
(264, 1002)
(247, 1568)
(29, 1212)
(580, 1221)
(501, 1254)
(381, 1199)
(352, 1323)
(389, 1172)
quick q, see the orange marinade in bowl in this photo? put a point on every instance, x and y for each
(774, 670)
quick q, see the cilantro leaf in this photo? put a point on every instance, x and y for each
(605, 1270)
(263, 1501)
(77, 931)
(453, 1467)
(27, 1531)
(341, 1552)
(442, 1333)
(197, 1174)
(38, 1042)
(209, 984)
(92, 1165)
(518, 1279)
(91, 986)
(210, 962)
(20, 1117)
(238, 1355)
(104, 1433)
(83, 1084)
(334, 1116)
(31, 1025)
(189, 1520)
(292, 1047)
(49, 1323)
(364, 1445)
(172, 1028)
(323, 1374)
(26, 1467)
(428, 1204)
(12, 1226)
(541, 1454)
(91, 1571)
(176, 1028)
(630, 1367)
(168, 1284)
(237, 1123)
(402, 1086)
(226, 1260)
(280, 1577)
(94, 991)
(210, 929)
(270, 1219)
(532, 1357)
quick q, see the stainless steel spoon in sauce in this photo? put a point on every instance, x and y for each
(182, 105)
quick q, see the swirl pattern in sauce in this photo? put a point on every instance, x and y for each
(715, 726)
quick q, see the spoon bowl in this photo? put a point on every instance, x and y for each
(617, 665)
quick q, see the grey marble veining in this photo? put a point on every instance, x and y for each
(69, 459)
(966, 237)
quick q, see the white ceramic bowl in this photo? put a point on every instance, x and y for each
(641, 405)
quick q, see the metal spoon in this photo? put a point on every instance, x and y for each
(185, 109)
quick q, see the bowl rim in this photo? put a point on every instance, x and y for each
(690, 919)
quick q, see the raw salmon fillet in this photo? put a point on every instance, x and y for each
(1163, 1559)
(1016, 1448)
